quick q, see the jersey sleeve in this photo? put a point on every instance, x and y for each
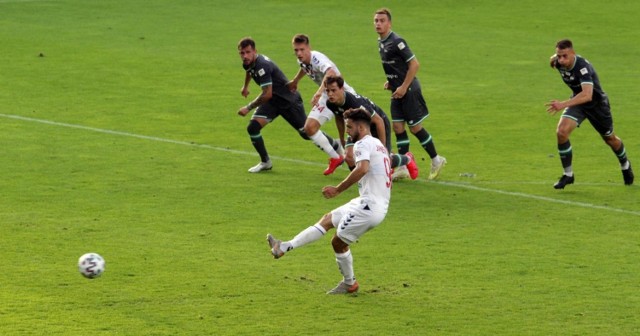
(263, 74)
(321, 63)
(585, 74)
(361, 151)
(403, 50)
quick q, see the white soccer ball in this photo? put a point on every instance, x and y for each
(91, 265)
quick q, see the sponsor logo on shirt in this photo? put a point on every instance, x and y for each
(401, 45)
(584, 71)
(261, 72)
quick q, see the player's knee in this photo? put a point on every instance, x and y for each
(562, 134)
(311, 127)
(339, 246)
(303, 134)
(254, 127)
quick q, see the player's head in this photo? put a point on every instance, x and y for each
(334, 87)
(565, 53)
(357, 122)
(382, 21)
(301, 48)
(247, 50)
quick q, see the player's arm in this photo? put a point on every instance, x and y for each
(293, 84)
(414, 66)
(265, 96)
(245, 87)
(318, 94)
(362, 167)
(341, 129)
(379, 123)
(553, 61)
(585, 96)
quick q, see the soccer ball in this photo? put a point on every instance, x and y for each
(91, 265)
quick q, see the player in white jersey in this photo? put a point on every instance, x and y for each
(361, 214)
(318, 67)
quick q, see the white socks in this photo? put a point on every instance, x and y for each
(308, 235)
(568, 171)
(320, 140)
(345, 263)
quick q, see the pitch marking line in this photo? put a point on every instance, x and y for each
(192, 144)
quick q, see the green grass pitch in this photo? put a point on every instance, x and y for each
(119, 135)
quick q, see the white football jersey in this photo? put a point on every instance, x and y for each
(375, 185)
(318, 68)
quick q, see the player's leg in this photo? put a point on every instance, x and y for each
(260, 119)
(312, 233)
(306, 236)
(318, 116)
(398, 124)
(415, 112)
(357, 219)
(602, 121)
(570, 119)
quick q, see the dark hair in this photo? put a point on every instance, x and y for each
(358, 114)
(301, 38)
(384, 11)
(564, 44)
(334, 79)
(245, 42)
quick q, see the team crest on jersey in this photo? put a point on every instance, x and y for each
(584, 71)
(261, 72)
(401, 45)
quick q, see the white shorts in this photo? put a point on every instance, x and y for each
(320, 111)
(354, 219)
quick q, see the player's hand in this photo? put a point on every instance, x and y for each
(244, 92)
(316, 98)
(330, 192)
(554, 106)
(243, 111)
(386, 85)
(399, 93)
(292, 86)
(553, 61)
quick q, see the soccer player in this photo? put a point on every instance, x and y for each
(588, 101)
(275, 99)
(318, 66)
(361, 214)
(339, 100)
(407, 103)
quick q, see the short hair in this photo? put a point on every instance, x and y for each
(564, 44)
(384, 11)
(245, 42)
(301, 38)
(358, 115)
(334, 79)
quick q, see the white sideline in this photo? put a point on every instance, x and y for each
(191, 144)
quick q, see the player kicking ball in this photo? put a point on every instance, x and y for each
(361, 214)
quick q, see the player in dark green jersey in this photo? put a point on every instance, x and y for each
(275, 99)
(588, 101)
(407, 103)
(340, 100)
